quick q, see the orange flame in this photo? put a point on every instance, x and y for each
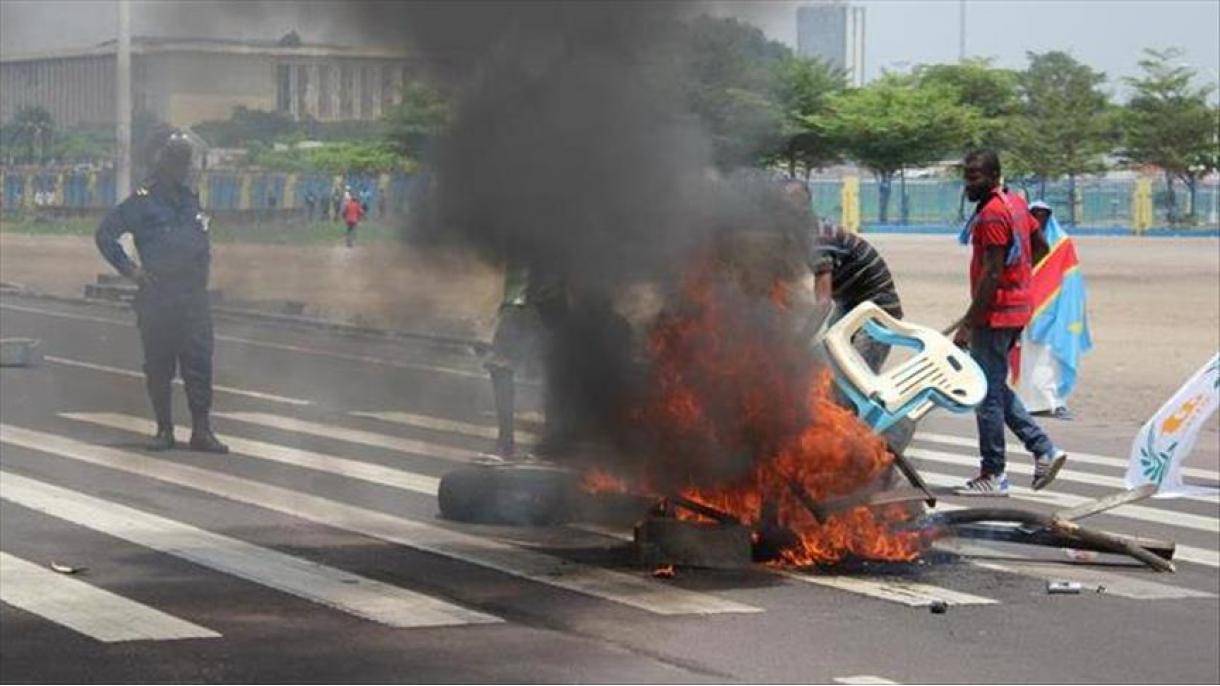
(598, 480)
(739, 414)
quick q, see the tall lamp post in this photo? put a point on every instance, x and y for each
(122, 100)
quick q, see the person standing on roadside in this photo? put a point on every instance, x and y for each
(353, 212)
(1004, 238)
(172, 309)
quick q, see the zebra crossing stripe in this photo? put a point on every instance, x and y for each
(423, 421)
(140, 375)
(340, 433)
(1138, 512)
(634, 590)
(331, 464)
(1090, 578)
(1142, 513)
(428, 485)
(1027, 469)
(1081, 458)
(86, 609)
(883, 588)
(892, 590)
(351, 593)
(1204, 556)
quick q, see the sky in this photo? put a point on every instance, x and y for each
(1105, 34)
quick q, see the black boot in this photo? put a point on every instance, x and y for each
(203, 440)
(164, 439)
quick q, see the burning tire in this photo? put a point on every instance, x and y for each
(523, 495)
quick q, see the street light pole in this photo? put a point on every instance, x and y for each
(961, 31)
(122, 100)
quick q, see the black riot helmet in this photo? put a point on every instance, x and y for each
(171, 152)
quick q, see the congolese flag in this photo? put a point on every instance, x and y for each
(1059, 321)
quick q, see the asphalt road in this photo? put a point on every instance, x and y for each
(313, 553)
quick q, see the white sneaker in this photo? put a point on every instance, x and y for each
(985, 485)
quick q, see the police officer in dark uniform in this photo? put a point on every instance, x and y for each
(172, 309)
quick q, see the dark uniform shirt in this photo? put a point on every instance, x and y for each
(857, 271)
(171, 237)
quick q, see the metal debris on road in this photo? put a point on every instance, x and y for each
(1063, 587)
(66, 569)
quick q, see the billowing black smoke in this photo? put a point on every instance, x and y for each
(572, 150)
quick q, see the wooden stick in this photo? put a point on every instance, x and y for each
(704, 510)
(946, 521)
(1109, 502)
(1007, 533)
(810, 504)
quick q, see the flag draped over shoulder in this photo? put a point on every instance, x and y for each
(1059, 321)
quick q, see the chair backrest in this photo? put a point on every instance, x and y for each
(938, 374)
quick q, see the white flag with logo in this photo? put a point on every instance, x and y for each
(1162, 445)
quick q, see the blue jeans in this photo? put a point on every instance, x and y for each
(1001, 406)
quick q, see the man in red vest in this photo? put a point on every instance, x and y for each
(1003, 235)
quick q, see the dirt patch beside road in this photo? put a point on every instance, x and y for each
(1154, 304)
(1154, 311)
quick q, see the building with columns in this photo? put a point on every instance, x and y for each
(184, 81)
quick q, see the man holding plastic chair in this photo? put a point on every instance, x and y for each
(1004, 238)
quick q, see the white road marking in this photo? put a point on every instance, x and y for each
(1145, 513)
(1181, 553)
(66, 315)
(140, 375)
(89, 610)
(335, 588)
(339, 433)
(1073, 456)
(1026, 468)
(428, 485)
(1049, 570)
(1204, 556)
(341, 466)
(863, 680)
(1061, 500)
(423, 421)
(892, 589)
(451, 371)
(628, 589)
(367, 359)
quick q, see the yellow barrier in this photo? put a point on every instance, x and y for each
(203, 191)
(290, 193)
(849, 196)
(1141, 205)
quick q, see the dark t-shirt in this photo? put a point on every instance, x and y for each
(857, 271)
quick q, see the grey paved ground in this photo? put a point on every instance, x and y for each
(798, 632)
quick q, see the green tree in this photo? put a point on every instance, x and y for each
(1066, 123)
(1169, 123)
(802, 89)
(32, 130)
(731, 68)
(409, 127)
(991, 91)
(246, 126)
(895, 123)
